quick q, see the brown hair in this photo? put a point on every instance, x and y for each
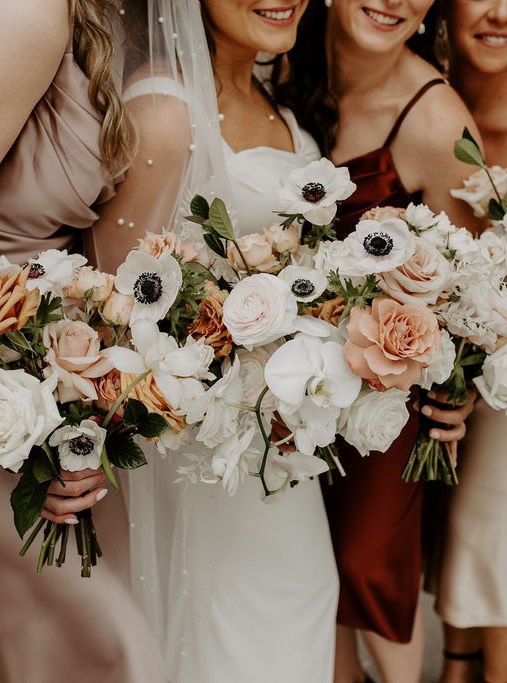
(91, 25)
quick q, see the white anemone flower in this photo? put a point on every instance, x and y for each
(306, 284)
(53, 269)
(313, 191)
(79, 447)
(309, 366)
(375, 247)
(155, 283)
(159, 353)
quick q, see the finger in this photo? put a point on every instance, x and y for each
(450, 417)
(453, 447)
(443, 397)
(448, 435)
(72, 489)
(59, 519)
(63, 507)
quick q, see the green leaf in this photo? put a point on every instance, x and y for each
(18, 341)
(220, 219)
(43, 469)
(468, 152)
(27, 502)
(195, 219)
(215, 244)
(153, 425)
(135, 412)
(468, 136)
(125, 453)
(496, 210)
(198, 268)
(105, 462)
(199, 206)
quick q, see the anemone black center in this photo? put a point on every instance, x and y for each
(81, 445)
(148, 288)
(36, 270)
(302, 287)
(313, 192)
(378, 243)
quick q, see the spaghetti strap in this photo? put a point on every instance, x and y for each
(409, 106)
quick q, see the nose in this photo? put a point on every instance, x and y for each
(498, 13)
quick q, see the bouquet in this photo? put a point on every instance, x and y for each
(62, 404)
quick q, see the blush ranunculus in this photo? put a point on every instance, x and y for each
(389, 343)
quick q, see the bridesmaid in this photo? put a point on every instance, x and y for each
(62, 139)
(472, 587)
(398, 144)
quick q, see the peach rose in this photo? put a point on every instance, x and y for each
(118, 308)
(329, 311)
(169, 243)
(108, 389)
(210, 324)
(73, 353)
(86, 278)
(17, 303)
(148, 393)
(257, 252)
(389, 343)
(382, 213)
(283, 239)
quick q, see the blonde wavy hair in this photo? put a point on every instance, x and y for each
(91, 25)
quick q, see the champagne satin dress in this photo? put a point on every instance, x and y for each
(57, 627)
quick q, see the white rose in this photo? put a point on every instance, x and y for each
(330, 255)
(28, 414)
(252, 375)
(259, 310)
(492, 384)
(477, 189)
(374, 420)
(440, 363)
(419, 216)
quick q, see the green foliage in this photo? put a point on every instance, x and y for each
(199, 206)
(220, 219)
(27, 501)
(468, 151)
(186, 306)
(318, 233)
(123, 452)
(355, 296)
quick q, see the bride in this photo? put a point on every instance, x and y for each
(237, 590)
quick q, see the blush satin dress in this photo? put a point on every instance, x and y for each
(375, 518)
(58, 627)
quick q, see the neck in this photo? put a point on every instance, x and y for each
(234, 68)
(484, 94)
(356, 70)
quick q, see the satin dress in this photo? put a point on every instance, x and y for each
(58, 627)
(375, 518)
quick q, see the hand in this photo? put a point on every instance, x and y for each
(454, 417)
(79, 493)
(280, 431)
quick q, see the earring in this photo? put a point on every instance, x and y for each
(421, 29)
(328, 3)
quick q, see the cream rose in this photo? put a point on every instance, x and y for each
(257, 252)
(28, 414)
(118, 308)
(283, 239)
(87, 279)
(492, 384)
(169, 243)
(74, 355)
(259, 310)
(477, 189)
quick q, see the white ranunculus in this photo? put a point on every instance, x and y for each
(309, 366)
(312, 426)
(375, 247)
(374, 420)
(28, 414)
(79, 446)
(306, 284)
(493, 251)
(155, 284)
(53, 269)
(252, 375)
(492, 384)
(313, 191)
(259, 310)
(477, 189)
(330, 255)
(440, 363)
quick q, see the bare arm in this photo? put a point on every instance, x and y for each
(33, 37)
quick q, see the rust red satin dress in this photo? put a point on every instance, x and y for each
(375, 518)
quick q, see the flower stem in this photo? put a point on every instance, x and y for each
(63, 548)
(235, 242)
(106, 466)
(32, 536)
(122, 396)
(493, 184)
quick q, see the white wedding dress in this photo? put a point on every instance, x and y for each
(241, 591)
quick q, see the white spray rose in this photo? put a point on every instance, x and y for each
(492, 384)
(440, 363)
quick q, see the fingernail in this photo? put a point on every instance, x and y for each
(71, 521)
(426, 410)
(434, 433)
(101, 494)
(431, 394)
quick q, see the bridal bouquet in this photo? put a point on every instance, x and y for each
(62, 404)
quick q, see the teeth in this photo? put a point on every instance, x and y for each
(381, 18)
(285, 14)
(494, 40)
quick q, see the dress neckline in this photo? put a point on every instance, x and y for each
(294, 130)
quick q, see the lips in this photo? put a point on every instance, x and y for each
(276, 14)
(493, 39)
(387, 20)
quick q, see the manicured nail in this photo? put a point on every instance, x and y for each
(101, 494)
(426, 410)
(434, 433)
(431, 394)
(71, 521)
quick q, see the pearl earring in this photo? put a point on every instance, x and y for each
(421, 29)
(328, 3)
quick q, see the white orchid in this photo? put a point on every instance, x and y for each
(226, 459)
(312, 426)
(309, 366)
(288, 467)
(313, 191)
(53, 269)
(79, 446)
(306, 284)
(155, 283)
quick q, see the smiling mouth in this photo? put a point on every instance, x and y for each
(494, 40)
(275, 15)
(384, 19)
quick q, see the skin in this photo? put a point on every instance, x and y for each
(478, 35)
(373, 76)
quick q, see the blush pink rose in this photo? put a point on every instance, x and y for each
(389, 343)
(257, 252)
(283, 239)
(88, 279)
(169, 243)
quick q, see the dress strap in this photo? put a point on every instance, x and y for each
(409, 106)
